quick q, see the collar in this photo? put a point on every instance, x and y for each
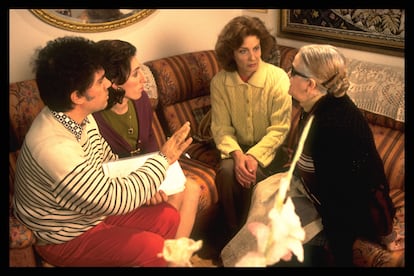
(70, 124)
(257, 79)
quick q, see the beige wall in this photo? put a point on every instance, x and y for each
(165, 32)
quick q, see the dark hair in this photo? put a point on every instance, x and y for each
(232, 37)
(65, 65)
(117, 55)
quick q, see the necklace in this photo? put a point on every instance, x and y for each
(130, 125)
(125, 124)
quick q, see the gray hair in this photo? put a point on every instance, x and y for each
(327, 65)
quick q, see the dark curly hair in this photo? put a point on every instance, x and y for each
(232, 37)
(117, 64)
(65, 65)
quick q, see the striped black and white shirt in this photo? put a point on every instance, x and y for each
(61, 190)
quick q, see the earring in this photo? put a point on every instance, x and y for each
(120, 94)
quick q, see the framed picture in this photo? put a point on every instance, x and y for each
(376, 30)
(91, 20)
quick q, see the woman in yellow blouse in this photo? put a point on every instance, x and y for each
(251, 111)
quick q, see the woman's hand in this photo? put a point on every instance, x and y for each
(177, 144)
(245, 168)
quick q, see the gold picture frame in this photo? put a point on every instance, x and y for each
(380, 31)
(91, 20)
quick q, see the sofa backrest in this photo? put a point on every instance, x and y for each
(24, 105)
(183, 83)
(287, 54)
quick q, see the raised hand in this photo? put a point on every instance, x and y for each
(177, 144)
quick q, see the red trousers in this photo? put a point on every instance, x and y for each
(133, 239)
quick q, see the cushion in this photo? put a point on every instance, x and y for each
(203, 133)
(184, 77)
(177, 114)
(273, 57)
(205, 152)
(200, 112)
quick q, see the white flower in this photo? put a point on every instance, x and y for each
(287, 233)
(278, 240)
(179, 251)
(284, 235)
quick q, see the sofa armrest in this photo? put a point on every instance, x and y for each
(25, 104)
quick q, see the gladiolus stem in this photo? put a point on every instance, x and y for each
(285, 181)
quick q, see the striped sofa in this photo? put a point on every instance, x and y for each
(179, 90)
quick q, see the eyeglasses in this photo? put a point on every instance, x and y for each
(294, 72)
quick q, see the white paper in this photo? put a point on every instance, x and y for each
(173, 183)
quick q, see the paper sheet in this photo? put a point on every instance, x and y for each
(173, 183)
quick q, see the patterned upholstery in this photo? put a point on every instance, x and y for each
(158, 131)
(24, 103)
(199, 172)
(183, 83)
(369, 254)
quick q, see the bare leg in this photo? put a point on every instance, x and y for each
(186, 203)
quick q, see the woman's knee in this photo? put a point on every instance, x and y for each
(225, 173)
(193, 189)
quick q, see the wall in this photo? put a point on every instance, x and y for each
(165, 32)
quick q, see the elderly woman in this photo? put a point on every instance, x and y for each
(339, 169)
